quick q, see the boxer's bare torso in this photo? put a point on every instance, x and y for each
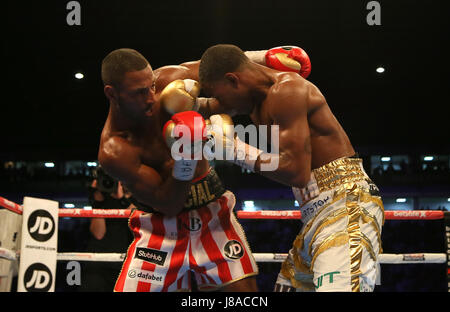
(326, 140)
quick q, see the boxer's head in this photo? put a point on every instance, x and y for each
(221, 76)
(129, 82)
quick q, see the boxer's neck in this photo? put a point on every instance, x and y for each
(259, 80)
(258, 77)
(121, 122)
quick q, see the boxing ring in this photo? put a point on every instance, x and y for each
(13, 255)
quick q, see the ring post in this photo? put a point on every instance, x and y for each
(37, 266)
(10, 224)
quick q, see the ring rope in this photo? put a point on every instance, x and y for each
(263, 214)
(389, 215)
(8, 254)
(259, 257)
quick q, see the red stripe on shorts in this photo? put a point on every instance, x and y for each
(179, 252)
(211, 248)
(134, 226)
(180, 283)
(200, 269)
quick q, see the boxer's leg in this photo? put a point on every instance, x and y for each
(245, 285)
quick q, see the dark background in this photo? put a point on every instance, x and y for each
(47, 113)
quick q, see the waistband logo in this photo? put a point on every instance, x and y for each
(199, 195)
(151, 255)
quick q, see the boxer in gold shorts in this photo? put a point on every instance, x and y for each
(342, 212)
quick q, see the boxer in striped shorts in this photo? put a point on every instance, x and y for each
(206, 241)
(184, 222)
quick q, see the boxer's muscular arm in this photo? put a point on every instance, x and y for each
(167, 74)
(121, 161)
(289, 111)
(188, 70)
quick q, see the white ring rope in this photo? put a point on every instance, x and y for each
(259, 257)
(8, 254)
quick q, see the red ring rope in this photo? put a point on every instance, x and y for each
(262, 214)
(389, 215)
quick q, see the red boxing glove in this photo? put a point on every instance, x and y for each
(289, 58)
(188, 125)
(184, 134)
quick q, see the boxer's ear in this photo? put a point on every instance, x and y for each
(232, 79)
(110, 93)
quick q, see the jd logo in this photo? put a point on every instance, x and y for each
(38, 278)
(233, 249)
(41, 225)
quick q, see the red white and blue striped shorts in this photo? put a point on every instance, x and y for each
(207, 242)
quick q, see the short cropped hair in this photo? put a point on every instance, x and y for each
(218, 60)
(119, 62)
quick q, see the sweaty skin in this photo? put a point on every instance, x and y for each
(309, 134)
(133, 149)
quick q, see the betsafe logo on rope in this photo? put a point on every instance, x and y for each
(41, 225)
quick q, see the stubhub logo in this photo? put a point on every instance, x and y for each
(151, 255)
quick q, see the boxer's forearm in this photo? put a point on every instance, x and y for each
(282, 169)
(169, 198)
(255, 56)
(258, 57)
(172, 196)
(210, 106)
(98, 228)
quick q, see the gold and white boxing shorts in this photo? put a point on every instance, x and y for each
(337, 248)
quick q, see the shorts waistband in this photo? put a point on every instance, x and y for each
(337, 172)
(203, 191)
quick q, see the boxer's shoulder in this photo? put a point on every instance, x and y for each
(287, 95)
(167, 74)
(288, 83)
